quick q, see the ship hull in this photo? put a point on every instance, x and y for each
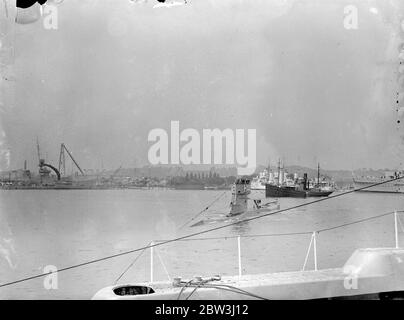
(388, 187)
(316, 193)
(257, 187)
(275, 191)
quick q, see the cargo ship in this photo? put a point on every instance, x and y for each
(298, 187)
(321, 188)
(264, 177)
(297, 190)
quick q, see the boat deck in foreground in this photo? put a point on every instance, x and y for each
(367, 273)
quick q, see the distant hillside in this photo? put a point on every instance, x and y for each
(341, 177)
(171, 171)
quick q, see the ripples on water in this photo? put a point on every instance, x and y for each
(62, 228)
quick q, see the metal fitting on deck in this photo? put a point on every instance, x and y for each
(177, 281)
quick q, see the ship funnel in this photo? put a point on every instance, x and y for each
(281, 176)
(305, 181)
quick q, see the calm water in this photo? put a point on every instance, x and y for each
(63, 228)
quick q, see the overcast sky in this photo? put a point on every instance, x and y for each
(115, 70)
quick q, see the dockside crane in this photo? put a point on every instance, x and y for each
(115, 173)
(42, 164)
(38, 151)
(62, 160)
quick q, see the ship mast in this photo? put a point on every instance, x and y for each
(38, 151)
(39, 159)
(318, 174)
(268, 169)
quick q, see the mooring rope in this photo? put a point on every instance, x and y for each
(131, 264)
(205, 209)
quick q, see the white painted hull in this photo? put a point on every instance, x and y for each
(388, 187)
(257, 186)
(367, 272)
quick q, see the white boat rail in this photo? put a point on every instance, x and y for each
(311, 247)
